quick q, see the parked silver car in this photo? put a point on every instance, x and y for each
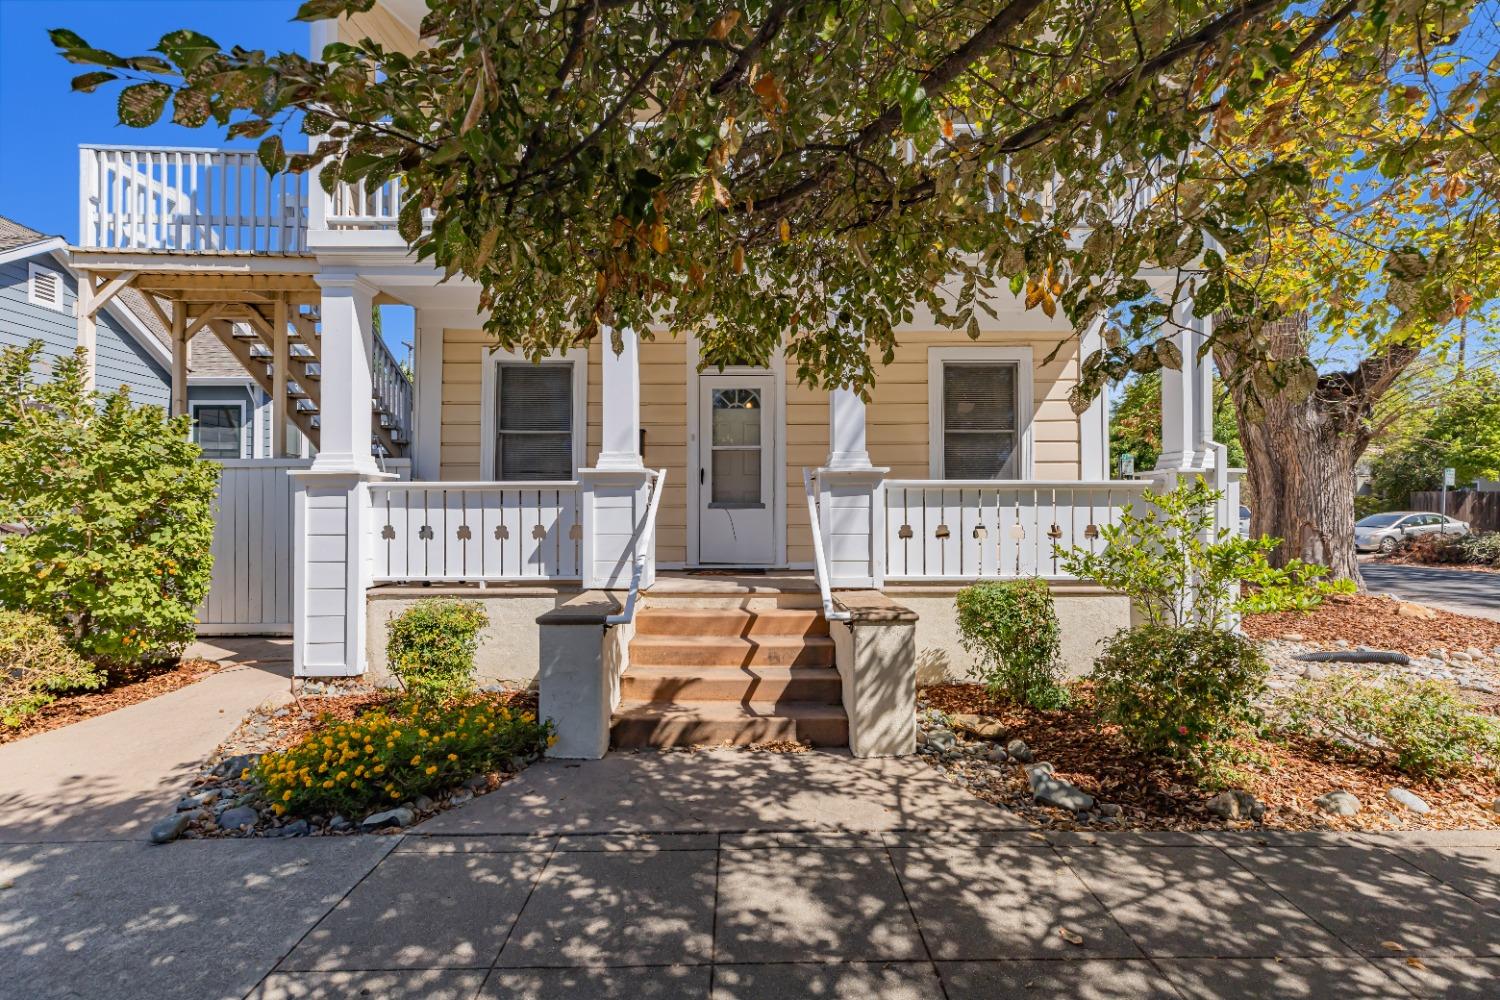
(1383, 532)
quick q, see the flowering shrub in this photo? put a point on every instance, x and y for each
(389, 756)
(36, 666)
(1178, 690)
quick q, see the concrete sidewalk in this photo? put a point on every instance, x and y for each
(112, 776)
(863, 879)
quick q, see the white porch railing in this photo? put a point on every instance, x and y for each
(191, 200)
(973, 529)
(356, 206)
(476, 532)
(645, 552)
(392, 393)
(820, 561)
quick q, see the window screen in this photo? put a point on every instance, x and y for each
(219, 430)
(534, 425)
(979, 421)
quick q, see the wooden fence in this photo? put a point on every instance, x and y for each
(1481, 510)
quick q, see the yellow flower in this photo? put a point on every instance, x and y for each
(286, 796)
(327, 784)
(278, 808)
(431, 768)
(416, 759)
(453, 756)
(395, 795)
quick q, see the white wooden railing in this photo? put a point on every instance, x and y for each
(974, 529)
(478, 532)
(392, 393)
(357, 206)
(820, 561)
(192, 200)
(645, 552)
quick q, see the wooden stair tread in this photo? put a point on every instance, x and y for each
(728, 710)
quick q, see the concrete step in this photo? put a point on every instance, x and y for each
(730, 621)
(731, 651)
(761, 685)
(713, 723)
(657, 598)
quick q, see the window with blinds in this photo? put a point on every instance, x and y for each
(219, 429)
(980, 422)
(534, 421)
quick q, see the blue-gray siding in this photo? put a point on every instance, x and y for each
(121, 359)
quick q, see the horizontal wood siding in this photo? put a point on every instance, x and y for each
(121, 360)
(897, 421)
(381, 26)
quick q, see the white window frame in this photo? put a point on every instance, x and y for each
(937, 358)
(489, 420)
(195, 405)
(34, 269)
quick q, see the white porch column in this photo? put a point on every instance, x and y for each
(846, 431)
(1093, 424)
(851, 498)
(332, 530)
(617, 488)
(621, 377)
(1187, 403)
(427, 443)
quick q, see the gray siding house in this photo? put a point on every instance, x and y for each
(38, 297)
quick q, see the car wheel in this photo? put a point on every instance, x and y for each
(1387, 546)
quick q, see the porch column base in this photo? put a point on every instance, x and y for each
(876, 654)
(850, 504)
(614, 502)
(331, 548)
(578, 676)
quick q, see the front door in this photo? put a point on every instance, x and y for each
(736, 470)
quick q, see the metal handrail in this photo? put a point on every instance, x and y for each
(820, 562)
(643, 555)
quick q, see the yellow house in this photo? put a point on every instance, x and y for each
(673, 553)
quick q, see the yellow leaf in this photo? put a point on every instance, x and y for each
(737, 261)
(947, 126)
(721, 193)
(769, 91)
(659, 241)
(723, 25)
(786, 231)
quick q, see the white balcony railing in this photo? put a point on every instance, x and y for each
(972, 529)
(354, 206)
(188, 200)
(477, 532)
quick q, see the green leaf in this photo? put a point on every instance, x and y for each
(187, 48)
(89, 82)
(141, 105)
(271, 154)
(190, 108)
(65, 39)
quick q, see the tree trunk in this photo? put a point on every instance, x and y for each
(1300, 465)
(1300, 450)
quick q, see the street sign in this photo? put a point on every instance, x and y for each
(1127, 466)
(1448, 477)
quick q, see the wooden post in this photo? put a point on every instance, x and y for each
(87, 332)
(280, 363)
(179, 359)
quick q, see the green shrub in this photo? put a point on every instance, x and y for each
(1177, 690)
(1423, 727)
(1467, 550)
(1010, 629)
(36, 666)
(386, 757)
(117, 508)
(1178, 571)
(431, 647)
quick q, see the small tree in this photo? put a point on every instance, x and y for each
(113, 509)
(1179, 572)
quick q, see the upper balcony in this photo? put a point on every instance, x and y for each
(222, 202)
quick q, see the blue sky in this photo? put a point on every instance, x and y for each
(42, 122)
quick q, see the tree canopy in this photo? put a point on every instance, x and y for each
(807, 172)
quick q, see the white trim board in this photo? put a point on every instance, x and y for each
(691, 464)
(937, 357)
(577, 357)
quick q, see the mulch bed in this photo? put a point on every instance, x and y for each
(1158, 794)
(125, 687)
(1360, 619)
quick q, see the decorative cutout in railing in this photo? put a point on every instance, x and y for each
(451, 532)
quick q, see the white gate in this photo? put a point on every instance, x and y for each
(251, 593)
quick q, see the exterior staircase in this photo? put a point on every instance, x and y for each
(735, 675)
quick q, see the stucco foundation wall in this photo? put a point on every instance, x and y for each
(1085, 619)
(509, 648)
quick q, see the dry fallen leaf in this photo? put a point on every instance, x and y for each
(1416, 963)
(1072, 937)
(1392, 945)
